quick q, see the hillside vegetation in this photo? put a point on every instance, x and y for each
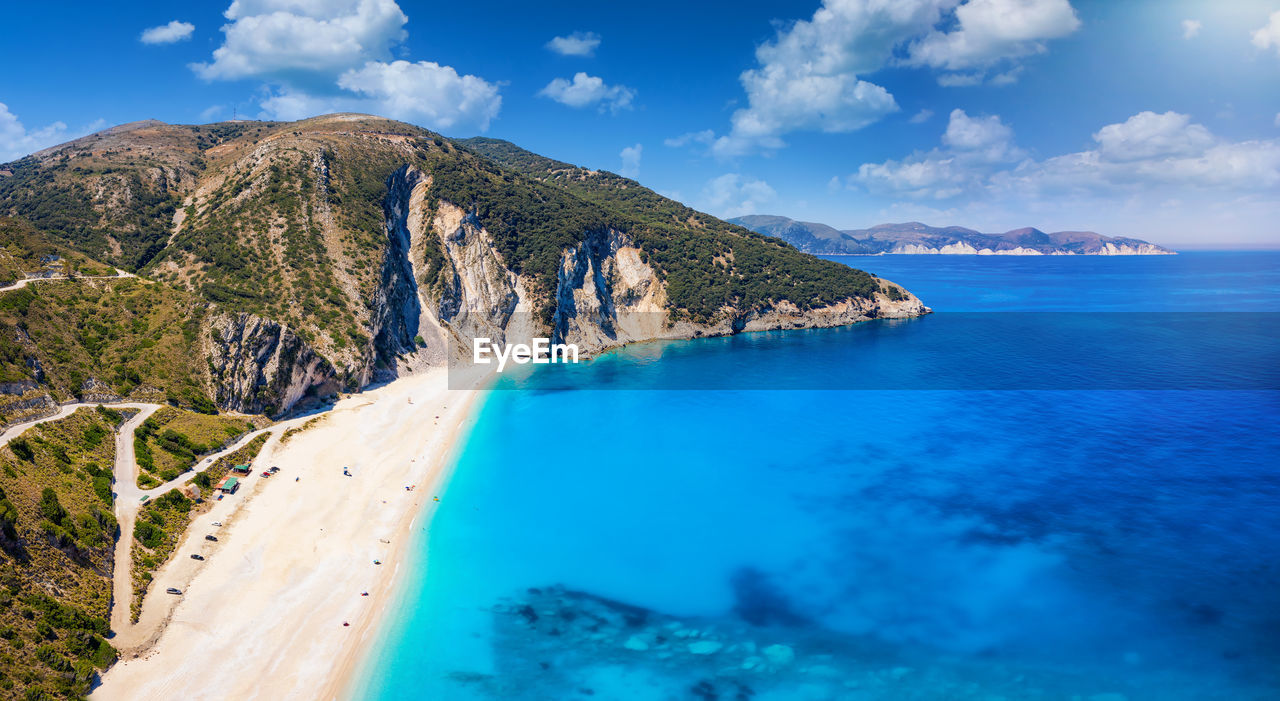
(104, 339)
(265, 255)
(57, 535)
(171, 441)
(707, 263)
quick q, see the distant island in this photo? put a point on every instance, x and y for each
(917, 238)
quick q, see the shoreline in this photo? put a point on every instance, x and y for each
(278, 602)
(356, 662)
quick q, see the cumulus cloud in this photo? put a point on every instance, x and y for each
(292, 39)
(733, 195)
(972, 149)
(425, 92)
(1147, 153)
(320, 56)
(987, 32)
(810, 77)
(1190, 28)
(1148, 135)
(982, 138)
(586, 90)
(1166, 152)
(17, 141)
(172, 32)
(1268, 36)
(631, 161)
(576, 44)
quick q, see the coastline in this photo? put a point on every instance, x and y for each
(358, 662)
(270, 603)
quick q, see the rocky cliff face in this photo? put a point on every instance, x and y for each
(261, 366)
(450, 285)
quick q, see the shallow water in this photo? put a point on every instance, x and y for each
(901, 543)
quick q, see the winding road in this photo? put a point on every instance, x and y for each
(128, 502)
(28, 280)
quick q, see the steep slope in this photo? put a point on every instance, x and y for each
(56, 556)
(283, 261)
(711, 267)
(917, 238)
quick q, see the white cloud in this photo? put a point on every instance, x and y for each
(208, 113)
(631, 161)
(808, 78)
(319, 56)
(989, 31)
(733, 195)
(1268, 36)
(17, 141)
(973, 148)
(705, 137)
(921, 117)
(426, 93)
(576, 44)
(168, 33)
(1160, 177)
(586, 90)
(1190, 28)
(936, 177)
(983, 138)
(1148, 154)
(1239, 167)
(292, 39)
(1148, 135)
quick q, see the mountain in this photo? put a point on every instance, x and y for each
(914, 237)
(279, 262)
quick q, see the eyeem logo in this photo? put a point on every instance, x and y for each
(484, 351)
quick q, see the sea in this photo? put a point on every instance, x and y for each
(1062, 484)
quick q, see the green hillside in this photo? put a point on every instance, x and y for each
(57, 536)
(707, 263)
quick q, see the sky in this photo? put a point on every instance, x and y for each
(1155, 119)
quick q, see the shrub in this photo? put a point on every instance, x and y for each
(22, 449)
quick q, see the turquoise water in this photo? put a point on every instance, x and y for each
(980, 542)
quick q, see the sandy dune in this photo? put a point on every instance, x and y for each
(262, 617)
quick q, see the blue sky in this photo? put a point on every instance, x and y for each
(1156, 119)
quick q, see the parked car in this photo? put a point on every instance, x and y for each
(209, 537)
(173, 590)
(266, 474)
(194, 556)
(217, 523)
(273, 469)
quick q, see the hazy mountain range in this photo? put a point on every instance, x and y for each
(917, 238)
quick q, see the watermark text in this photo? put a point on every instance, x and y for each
(540, 352)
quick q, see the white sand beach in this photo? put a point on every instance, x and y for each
(262, 617)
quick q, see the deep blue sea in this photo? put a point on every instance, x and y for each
(1105, 525)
